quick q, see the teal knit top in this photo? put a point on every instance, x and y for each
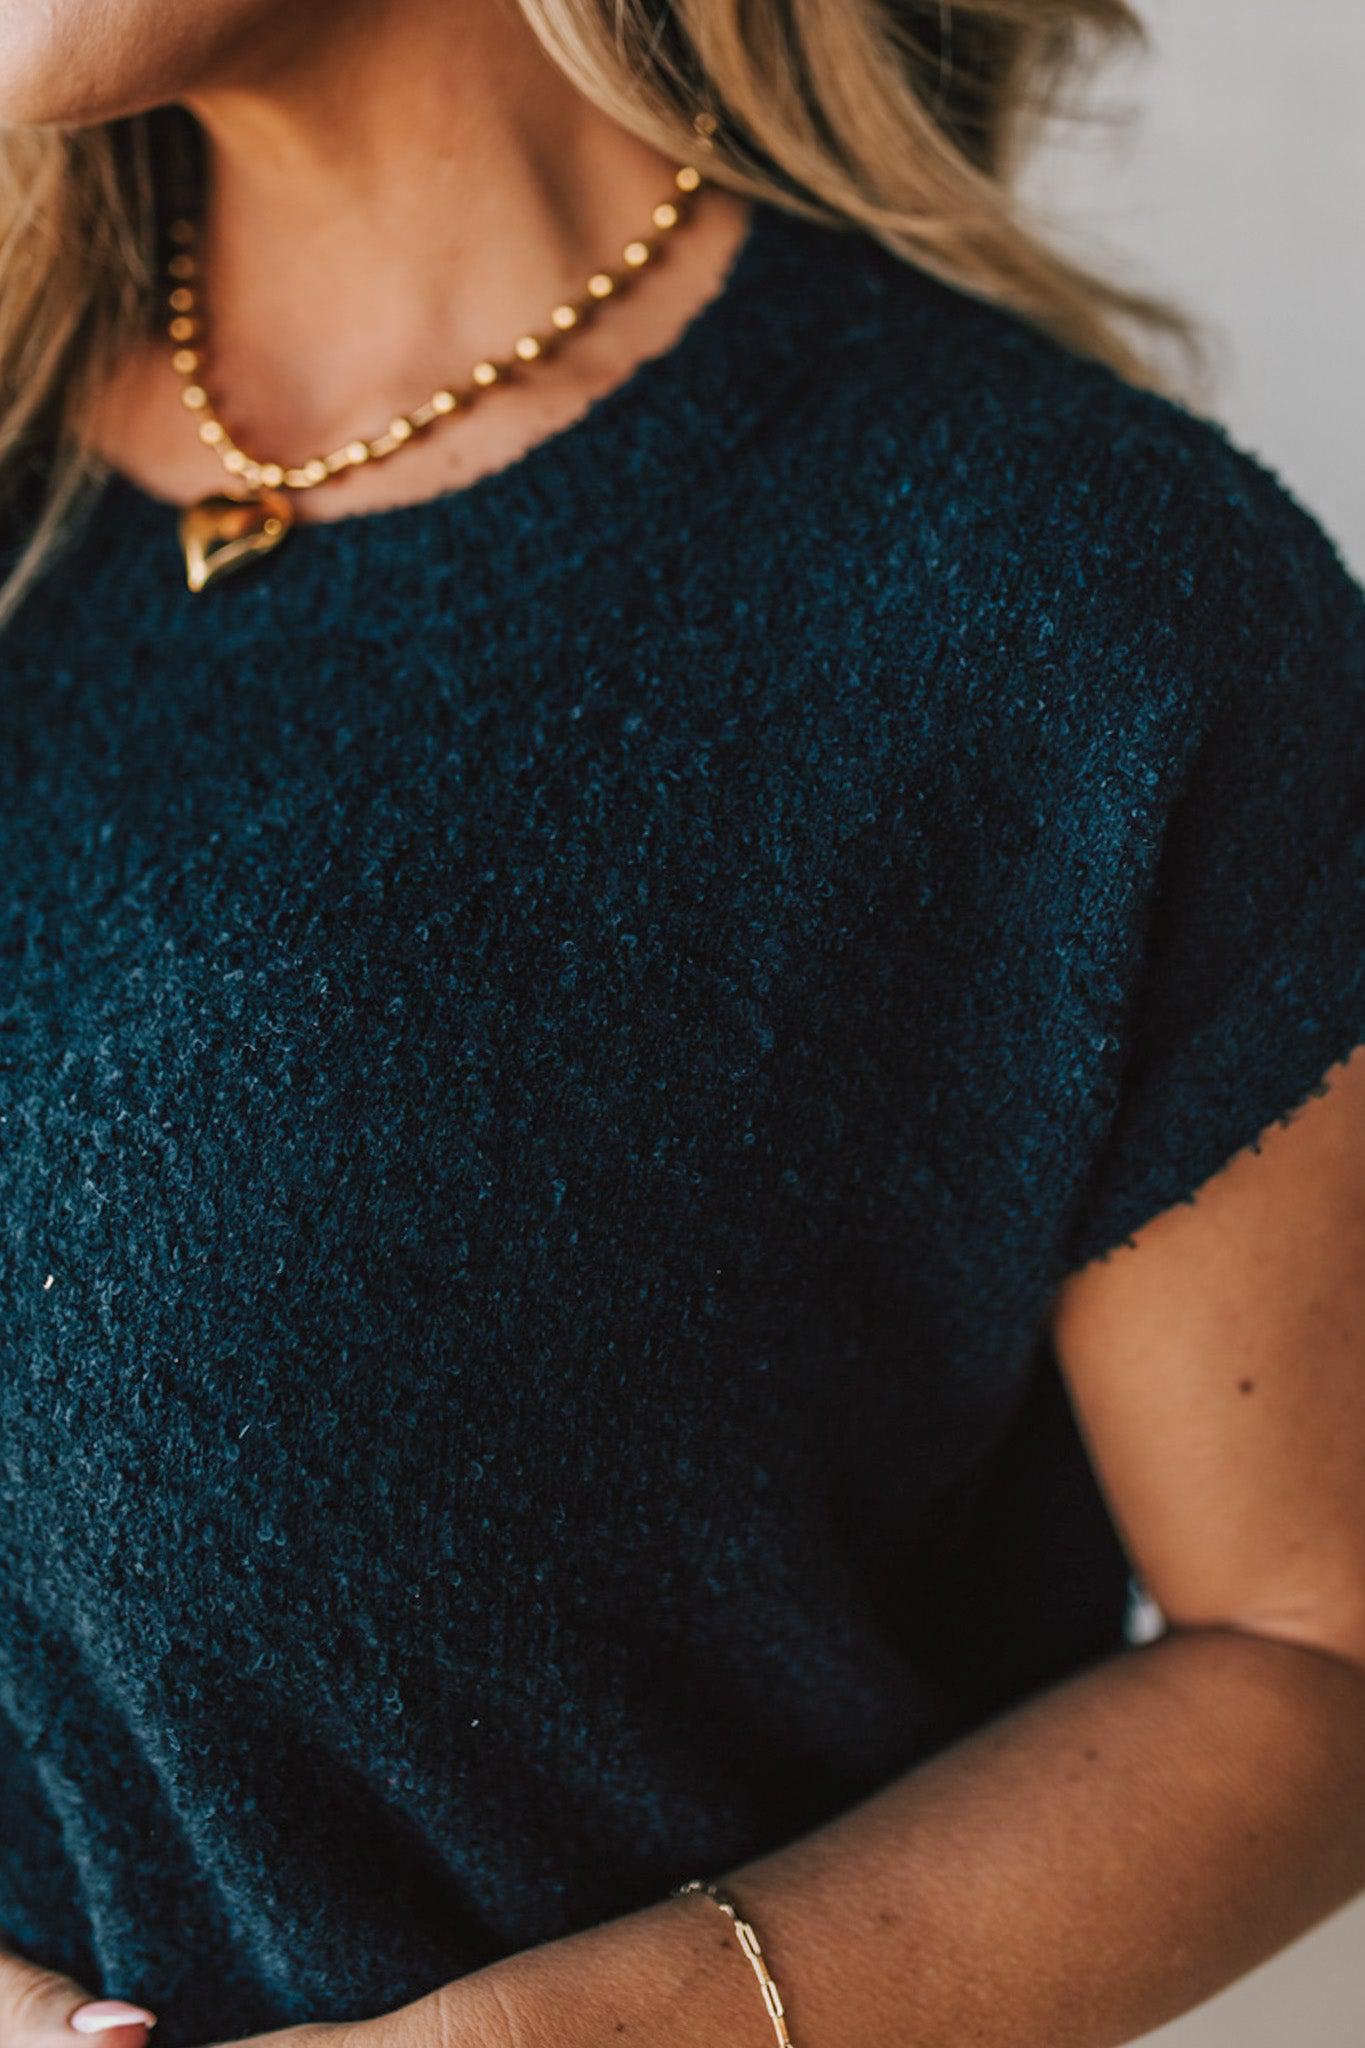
(555, 1045)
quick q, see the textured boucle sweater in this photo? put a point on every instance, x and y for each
(555, 1045)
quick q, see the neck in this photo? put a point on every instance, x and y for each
(395, 196)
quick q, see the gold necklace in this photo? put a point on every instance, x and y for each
(228, 529)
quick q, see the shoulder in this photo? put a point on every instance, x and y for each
(941, 443)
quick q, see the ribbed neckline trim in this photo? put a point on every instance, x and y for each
(673, 418)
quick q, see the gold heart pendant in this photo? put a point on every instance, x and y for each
(220, 534)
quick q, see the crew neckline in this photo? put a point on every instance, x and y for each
(681, 407)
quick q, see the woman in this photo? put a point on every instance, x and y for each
(677, 1048)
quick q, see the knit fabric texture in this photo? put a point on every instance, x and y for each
(555, 1046)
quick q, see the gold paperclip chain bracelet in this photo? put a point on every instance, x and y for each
(748, 1941)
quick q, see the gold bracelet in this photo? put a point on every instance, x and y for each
(748, 1941)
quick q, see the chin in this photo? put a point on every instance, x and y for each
(73, 63)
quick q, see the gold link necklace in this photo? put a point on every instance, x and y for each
(228, 529)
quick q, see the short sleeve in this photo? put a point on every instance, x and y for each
(1250, 982)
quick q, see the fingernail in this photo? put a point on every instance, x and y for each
(103, 2013)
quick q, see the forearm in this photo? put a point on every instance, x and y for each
(1084, 1869)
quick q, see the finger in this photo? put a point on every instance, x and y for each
(103, 2015)
(42, 2008)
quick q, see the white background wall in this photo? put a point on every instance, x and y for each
(1236, 182)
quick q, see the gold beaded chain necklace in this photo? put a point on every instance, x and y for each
(224, 531)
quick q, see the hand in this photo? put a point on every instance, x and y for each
(672, 1971)
(467, 2013)
(41, 2009)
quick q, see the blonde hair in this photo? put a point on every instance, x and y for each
(903, 118)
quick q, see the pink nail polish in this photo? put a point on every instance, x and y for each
(99, 2014)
